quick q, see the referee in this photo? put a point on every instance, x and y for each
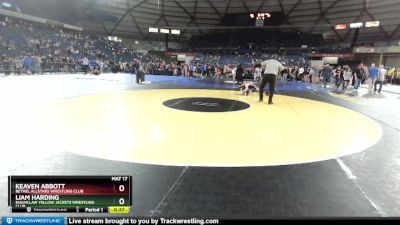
(271, 68)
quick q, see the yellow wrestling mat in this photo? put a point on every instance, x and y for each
(135, 126)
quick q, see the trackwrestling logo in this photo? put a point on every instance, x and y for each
(33, 220)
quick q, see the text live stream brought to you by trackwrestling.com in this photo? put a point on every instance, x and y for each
(102, 221)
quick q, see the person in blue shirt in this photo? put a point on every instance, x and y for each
(95, 67)
(27, 63)
(191, 69)
(204, 70)
(373, 74)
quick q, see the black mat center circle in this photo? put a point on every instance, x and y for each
(206, 104)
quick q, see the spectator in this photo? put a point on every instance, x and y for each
(373, 74)
(380, 78)
(326, 74)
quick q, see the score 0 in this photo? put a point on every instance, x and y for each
(121, 189)
(122, 185)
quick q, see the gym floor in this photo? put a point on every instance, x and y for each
(197, 148)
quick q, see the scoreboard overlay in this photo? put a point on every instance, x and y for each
(75, 194)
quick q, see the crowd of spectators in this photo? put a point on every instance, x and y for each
(33, 48)
(30, 48)
(343, 76)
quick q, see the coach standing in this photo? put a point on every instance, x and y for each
(271, 69)
(326, 74)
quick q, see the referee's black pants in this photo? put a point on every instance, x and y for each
(139, 77)
(271, 79)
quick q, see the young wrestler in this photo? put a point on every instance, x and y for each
(257, 72)
(248, 87)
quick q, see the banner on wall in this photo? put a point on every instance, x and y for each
(321, 55)
(364, 50)
(316, 62)
(181, 58)
(179, 53)
(331, 60)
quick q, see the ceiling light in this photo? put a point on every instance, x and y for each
(356, 25)
(175, 32)
(153, 30)
(164, 31)
(341, 27)
(372, 24)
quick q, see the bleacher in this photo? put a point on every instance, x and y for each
(54, 47)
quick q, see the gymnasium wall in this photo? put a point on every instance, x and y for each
(393, 60)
